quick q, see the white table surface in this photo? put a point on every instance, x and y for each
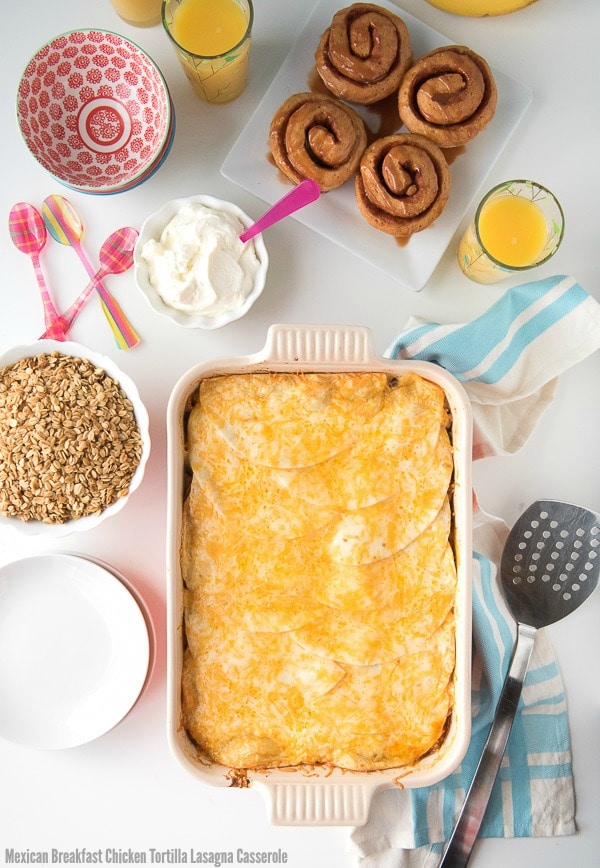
(125, 790)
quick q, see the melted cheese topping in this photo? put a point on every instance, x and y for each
(319, 574)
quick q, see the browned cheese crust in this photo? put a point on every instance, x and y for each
(319, 572)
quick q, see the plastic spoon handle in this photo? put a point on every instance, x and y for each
(65, 226)
(304, 193)
(71, 313)
(28, 233)
(116, 256)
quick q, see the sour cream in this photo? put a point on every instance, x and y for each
(198, 264)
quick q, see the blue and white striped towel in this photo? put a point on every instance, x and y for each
(508, 360)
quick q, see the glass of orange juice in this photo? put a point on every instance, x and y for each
(212, 41)
(518, 225)
(140, 13)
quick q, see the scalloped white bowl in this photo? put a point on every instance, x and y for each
(152, 229)
(75, 350)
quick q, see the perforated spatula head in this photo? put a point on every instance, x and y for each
(551, 561)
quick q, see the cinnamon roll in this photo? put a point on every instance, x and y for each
(449, 95)
(403, 184)
(316, 136)
(364, 53)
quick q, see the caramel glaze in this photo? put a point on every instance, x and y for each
(283, 178)
(386, 110)
(451, 154)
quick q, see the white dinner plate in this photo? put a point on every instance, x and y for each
(74, 651)
(335, 215)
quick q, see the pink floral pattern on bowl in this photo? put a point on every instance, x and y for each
(94, 110)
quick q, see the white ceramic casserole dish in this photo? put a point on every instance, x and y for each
(324, 797)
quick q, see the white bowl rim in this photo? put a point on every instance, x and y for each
(71, 348)
(153, 226)
(104, 188)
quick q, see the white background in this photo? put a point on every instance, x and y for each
(125, 789)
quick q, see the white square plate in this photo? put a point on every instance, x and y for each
(336, 214)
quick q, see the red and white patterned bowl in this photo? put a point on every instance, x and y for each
(94, 110)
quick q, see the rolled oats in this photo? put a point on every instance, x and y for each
(69, 439)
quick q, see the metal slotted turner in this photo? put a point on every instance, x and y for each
(550, 565)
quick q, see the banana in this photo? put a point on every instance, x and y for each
(479, 8)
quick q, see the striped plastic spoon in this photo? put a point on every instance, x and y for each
(116, 256)
(28, 233)
(65, 226)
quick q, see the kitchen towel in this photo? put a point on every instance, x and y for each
(508, 360)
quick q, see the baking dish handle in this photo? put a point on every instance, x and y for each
(333, 804)
(319, 344)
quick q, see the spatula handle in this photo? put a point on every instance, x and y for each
(460, 845)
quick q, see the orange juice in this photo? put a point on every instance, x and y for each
(208, 27)
(212, 41)
(140, 13)
(513, 230)
(518, 225)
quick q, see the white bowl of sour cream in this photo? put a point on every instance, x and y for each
(192, 267)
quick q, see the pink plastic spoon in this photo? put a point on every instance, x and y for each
(116, 256)
(29, 235)
(304, 193)
(64, 224)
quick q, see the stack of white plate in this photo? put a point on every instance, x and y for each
(76, 648)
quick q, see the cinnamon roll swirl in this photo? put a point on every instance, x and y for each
(316, 136)
(449, 95)
(403, 184)
(364, 53)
